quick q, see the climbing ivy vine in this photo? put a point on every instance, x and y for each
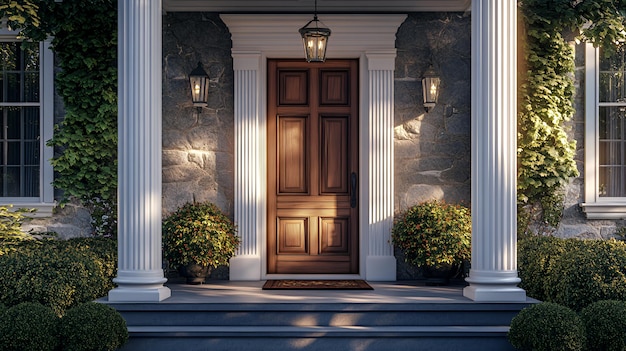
(545, 152)
(84, 40)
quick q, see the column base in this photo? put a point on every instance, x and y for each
(380, 268)
(244, 268)
(139, 286)
(494, 286)
(136, 294)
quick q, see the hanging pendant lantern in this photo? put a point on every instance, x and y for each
(315, 39)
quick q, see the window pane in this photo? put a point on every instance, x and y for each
(31, 181)
(31, 59)
(31, 87)
(31, 123)
(611, 123)
(13, 87)
(613, 77)
(611, 182)
(610, 153)
(12, 181)
(13, 153)
(14, 123)
(8, 52)
(31, 153)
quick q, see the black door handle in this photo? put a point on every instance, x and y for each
(353, 190)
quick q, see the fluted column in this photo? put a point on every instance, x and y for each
(493, 276)
(380, 261)
(249, 173)
(140, 274)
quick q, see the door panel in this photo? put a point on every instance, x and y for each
(312, 152)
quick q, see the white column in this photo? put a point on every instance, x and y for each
(249, 173)
(493, 276)
(140, 274)
(380, 261)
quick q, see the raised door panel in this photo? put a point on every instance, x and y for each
(334, 236)
(292, 155)
(293, 236)
(293, 87)
(334, 155)
(334, 87)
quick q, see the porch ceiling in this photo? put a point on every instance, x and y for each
(323, 6)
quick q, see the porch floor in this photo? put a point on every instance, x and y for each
(224, 292)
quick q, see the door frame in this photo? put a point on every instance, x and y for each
(371, 40)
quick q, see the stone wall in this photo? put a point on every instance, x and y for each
(432, 149)
(198, 148)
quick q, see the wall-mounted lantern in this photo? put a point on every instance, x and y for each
(199, 81)
(430, 88)
(315, 39)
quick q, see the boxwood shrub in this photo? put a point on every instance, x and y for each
(547, 327)
(536, 256)
(92, 327)
(605, 323)
(572, 272)
(57, 274)
(592, 272)
(29, 326)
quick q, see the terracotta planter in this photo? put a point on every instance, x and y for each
(194, 273)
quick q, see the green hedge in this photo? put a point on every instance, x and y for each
(29, 326)
(605, 323)
(547, 327)
(58, 274)
(572, 272)
(92, 327)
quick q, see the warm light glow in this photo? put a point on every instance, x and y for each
(433, 89)
(197, 89)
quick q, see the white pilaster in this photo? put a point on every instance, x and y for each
(380, 261)
(249, 172)
(493, 276)
(140, 274)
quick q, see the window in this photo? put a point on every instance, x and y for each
(605, 134)
(26, 123)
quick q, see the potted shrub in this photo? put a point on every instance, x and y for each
(198, 237)
(436, 236)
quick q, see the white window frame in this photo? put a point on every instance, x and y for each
(596, 207)
(44, 203)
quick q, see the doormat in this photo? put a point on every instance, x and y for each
(316, 285)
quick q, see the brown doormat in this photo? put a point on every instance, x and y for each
(316, 285)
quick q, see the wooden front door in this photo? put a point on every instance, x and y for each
(312, 167)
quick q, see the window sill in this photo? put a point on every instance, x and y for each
(42, 209)
(604, 210)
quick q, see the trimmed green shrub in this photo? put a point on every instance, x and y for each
(434, 233)
(605, 322)
(29, 326)
(536, 256)
(594, 271)
(547, 327)
(92, 327)
(105, 249)
(53, 274)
